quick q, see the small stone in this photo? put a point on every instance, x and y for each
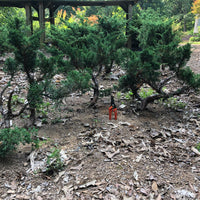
(154, 134)
(22, 197)
(39, 198)
(114, 77)
(10, 192)
(38, 124)
(86, 125)
(122, 106)
(37, 190)
(124, 123)
(4, 195)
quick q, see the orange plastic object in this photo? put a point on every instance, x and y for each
(110, 112)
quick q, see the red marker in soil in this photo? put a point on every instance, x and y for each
(112, 108)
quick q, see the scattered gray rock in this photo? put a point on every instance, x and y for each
(184, 193)
(122, 106)
(86, 125)
(124, 123)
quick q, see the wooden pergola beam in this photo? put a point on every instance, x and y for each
(29, 17)
(21, 3)
(41, 15)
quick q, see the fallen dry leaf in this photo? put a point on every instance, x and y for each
(159, 197)
(144, 191)
(154, 186)
(91, 183)
(195, 151)
(111, 155)
(79, 167)
(68, 192)
(135, 175)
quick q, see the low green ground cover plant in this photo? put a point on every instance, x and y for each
(198, 146)
(173, 103)
(10, 138)
(54, 162)
(146, 92)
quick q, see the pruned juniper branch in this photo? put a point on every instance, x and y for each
(96, 90)
(158, 87)
(163, 96)
(9, 115)
(9, 106)
(21, 111)
(1, 99)
(164, 82)
(95, 87)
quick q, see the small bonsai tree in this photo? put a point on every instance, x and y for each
(159, 49)
(82, 45)
(30, 61)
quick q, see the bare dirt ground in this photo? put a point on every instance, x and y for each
(141, 155)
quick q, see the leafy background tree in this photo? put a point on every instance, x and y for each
(196, 7)
(180, 11)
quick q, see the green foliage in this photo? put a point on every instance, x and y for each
(75, 43)
(89, 46)
(159, 47)
(35, 94)
(75, 80)
(105, 92)
(56, 120)
(10, 67)
(80, 45)
(29, 59)
(133, 27)
(3, 40)
(188, 76)
(195, 39)
(153, 4)
(112, 40)
(173, 103)
(180, 11)
(8, 13)
(141, 66)
(119, 95)
(16, 99)
(144, 93)
(198, 146)
(43, 108)
(129, 95)
(54, 162)
(11, 138)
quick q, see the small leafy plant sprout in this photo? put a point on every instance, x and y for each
(128, 95)
(54, 162)
(146, 92)
(198, 146)
(174, 103)
(119, 95)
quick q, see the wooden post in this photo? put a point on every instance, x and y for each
(29, 21)
(129, 16)
(42, 21)
(196, 24)
(51, 16)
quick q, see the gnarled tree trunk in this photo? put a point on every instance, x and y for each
(96, 91)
